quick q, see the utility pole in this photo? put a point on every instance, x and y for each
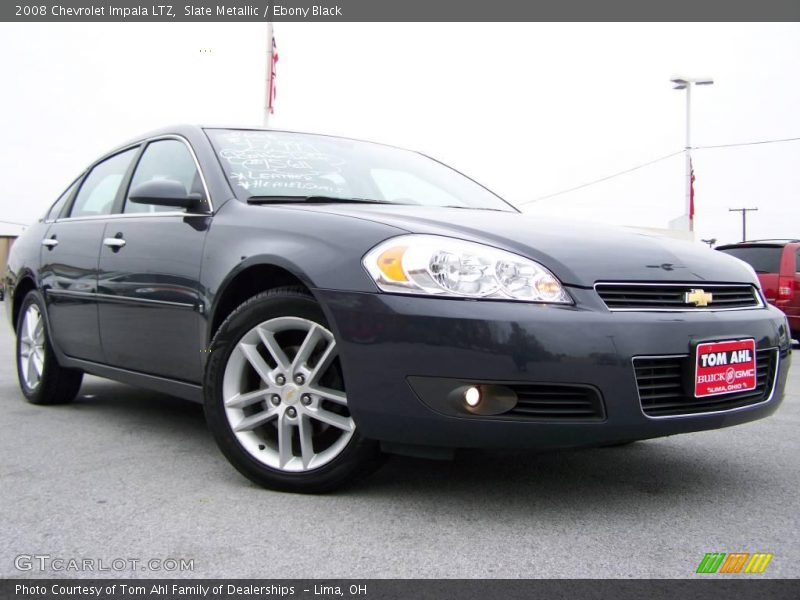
(744, 212)
(686, 83)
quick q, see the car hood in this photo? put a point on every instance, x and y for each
(578, 253)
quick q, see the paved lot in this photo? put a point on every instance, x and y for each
(125, 473)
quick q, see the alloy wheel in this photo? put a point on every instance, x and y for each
(284, 397)
(31, 347)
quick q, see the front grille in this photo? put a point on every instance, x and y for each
(662, 392)
(639, 296)
(554, 402)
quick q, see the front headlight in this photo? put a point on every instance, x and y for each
(442, 266)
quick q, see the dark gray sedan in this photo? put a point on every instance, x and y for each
(331, 300)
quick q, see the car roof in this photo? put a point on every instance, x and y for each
(191, 131)
(767, 243)
(187, 130)
(182, 129)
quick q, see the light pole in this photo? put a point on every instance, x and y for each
(686, 83)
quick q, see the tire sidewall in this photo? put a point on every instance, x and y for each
(34, 395)
(264, 307)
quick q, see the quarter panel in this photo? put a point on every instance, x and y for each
(23, 261)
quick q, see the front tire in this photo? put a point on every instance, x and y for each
(275, 399)
(41, 379)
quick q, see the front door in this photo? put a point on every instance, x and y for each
(149, 292)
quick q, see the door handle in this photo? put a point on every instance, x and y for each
(50, 243)
(114, 243)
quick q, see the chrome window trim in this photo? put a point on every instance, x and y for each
(759, 300)
(769, 397)
(115, 216)
(145, 142)
(75, 182)
(88, 171)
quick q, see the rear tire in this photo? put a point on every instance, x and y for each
(41, 379)
(275, 399)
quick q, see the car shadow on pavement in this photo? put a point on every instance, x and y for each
(652, 467)
(647, 472)
(134, 405)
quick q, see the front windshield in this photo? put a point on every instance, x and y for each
(276, 164)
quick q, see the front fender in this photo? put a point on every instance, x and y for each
(323, 251)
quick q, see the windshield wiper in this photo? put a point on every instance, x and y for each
(475, 208)
(313, 200)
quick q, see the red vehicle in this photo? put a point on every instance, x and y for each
(777, 264)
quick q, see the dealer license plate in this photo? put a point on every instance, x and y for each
(724, 367)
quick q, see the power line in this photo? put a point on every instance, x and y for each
(606, 178)
(14, 223)
(647, 164)
(794, 139)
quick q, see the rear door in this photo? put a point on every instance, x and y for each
(149, 276)
(69, 257)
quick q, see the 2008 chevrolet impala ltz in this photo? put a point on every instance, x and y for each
(330, 300)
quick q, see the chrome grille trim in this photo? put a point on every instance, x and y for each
(606, 289)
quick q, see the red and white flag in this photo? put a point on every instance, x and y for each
(272, 74)
(691, 191)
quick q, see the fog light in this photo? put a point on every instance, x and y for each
(472, 396)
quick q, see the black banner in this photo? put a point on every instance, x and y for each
(400, 10)
(746, 587)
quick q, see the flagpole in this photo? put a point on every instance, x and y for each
(688, 152)
(269, 79)
(686, 83)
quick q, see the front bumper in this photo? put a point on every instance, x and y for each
(387, 339)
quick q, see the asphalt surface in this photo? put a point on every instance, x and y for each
(126, 473)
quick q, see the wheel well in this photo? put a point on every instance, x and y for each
(21, 290)
(248, 283)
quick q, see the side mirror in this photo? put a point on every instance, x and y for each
(163, 192)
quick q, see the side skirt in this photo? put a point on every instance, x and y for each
(188, 391)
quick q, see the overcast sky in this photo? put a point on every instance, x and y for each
(527, 109)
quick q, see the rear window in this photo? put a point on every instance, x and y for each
(764, 259)
(58, 205)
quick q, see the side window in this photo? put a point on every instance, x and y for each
(165, 159)
(797, 260)
(58, 205)
(96, 196)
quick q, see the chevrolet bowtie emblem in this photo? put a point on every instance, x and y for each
(698, 297)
